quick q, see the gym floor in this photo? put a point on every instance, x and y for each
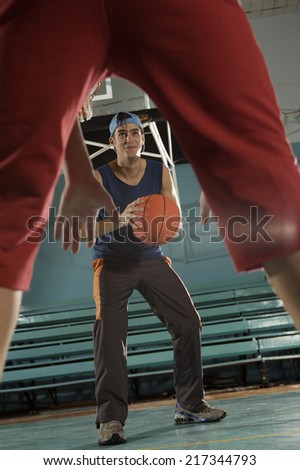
(262, 419)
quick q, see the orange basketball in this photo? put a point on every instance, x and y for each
(160, 220)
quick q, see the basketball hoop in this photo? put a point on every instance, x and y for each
(86, 112)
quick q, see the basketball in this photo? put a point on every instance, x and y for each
(160, 220)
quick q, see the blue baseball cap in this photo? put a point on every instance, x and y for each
(124, 118)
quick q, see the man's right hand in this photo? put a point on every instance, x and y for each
(132, 214)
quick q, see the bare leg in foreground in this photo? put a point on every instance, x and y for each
(284, 276)
(283, 273)
(10, 307)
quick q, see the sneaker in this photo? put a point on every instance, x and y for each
(206, 414)
(111, 433)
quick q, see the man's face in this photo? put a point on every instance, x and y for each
(128, 140)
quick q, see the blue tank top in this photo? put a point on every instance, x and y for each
(122, 243)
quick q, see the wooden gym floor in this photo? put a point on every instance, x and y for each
(263, 419)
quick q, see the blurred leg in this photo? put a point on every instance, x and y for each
(284, 276)
(214, 88)
(225, 116)
(49, 63)
(10, 306)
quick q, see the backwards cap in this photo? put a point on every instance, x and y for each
(124, 118)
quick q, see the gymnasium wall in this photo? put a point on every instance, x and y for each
(60, 276)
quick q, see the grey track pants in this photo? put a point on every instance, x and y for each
(114, 282)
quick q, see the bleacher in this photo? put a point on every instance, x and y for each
(52, 346)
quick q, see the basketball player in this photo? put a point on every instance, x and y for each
(123, 263)
(195, 59)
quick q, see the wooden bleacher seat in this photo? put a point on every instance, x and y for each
(280, 346)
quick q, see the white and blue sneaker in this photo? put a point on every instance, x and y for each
(206, 414)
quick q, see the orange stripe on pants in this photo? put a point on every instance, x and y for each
(97, 266)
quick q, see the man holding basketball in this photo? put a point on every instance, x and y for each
(123, 263)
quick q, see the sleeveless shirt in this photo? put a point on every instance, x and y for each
(122, 242)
